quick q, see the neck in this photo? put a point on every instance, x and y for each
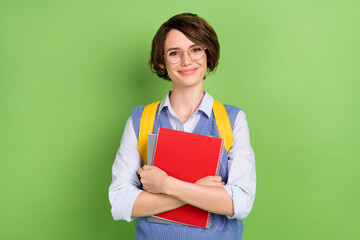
(185, 101)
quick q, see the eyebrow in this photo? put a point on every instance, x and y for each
(176, 48)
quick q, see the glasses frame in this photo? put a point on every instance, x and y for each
(182, 53)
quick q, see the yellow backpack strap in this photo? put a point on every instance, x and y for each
(223, 124)
(146, 127)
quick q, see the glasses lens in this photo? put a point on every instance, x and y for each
(173, 56)
(196, 52)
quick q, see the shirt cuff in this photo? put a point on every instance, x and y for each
(124, 203)
(239, 202)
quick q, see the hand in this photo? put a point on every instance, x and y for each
(153, 179)
(214, 181)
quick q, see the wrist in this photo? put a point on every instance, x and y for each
(169, 182)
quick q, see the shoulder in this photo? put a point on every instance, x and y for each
(137, 111)
(230, 109)
(233, 113)
(136, 117)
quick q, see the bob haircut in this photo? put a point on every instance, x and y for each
(194, 28)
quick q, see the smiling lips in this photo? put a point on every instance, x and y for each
(187, 71)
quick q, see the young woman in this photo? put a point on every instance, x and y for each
(184, 50)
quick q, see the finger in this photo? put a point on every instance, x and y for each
(146, 167)
(215, 178)
(139, 170)
(219, 184)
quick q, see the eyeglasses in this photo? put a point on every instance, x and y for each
(174, 55)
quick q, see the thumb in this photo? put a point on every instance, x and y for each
(146, 167)
(217, 178)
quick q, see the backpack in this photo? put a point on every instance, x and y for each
(147, 125)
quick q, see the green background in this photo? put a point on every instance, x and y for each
(71, 71)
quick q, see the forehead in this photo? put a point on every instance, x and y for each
(176, 39)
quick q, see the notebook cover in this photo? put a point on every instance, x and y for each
(150, 157)
(187, 157)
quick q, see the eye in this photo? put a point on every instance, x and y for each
(173, 53)
(196, 49)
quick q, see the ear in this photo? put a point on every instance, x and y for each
(162, 66)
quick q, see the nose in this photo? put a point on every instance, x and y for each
(186, 59)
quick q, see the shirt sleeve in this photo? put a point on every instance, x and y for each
(125, 185)
(241, 183)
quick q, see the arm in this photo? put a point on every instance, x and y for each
(210, 198)
(241, 184)
(127, 198)
(206, 193)
(147, 204)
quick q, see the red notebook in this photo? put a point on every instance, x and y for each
(188, 157)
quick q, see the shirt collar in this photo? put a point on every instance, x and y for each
(205, 105)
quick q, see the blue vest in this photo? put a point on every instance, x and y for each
(221, 227)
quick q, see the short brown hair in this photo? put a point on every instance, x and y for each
(194, 28)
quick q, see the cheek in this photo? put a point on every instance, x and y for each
(204, 66)
(170, 71)
(172, 67)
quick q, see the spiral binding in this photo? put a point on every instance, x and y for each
(216, 173)
(220, 153)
